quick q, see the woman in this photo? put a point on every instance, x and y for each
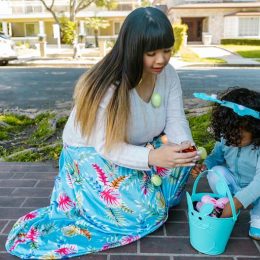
(112, 189)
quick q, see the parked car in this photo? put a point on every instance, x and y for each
(7, 52)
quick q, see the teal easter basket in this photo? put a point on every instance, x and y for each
(209, 235)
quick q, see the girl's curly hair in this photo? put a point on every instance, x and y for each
(227, 124)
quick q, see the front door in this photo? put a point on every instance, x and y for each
(194, 28)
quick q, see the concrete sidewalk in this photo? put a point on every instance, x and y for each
(217, 52)
(25, 187)
(63, 57)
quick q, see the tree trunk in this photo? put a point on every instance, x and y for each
(96, 38)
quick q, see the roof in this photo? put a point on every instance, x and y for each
(216, 5)
(244, 14)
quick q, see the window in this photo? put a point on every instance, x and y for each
(117, 27)
(31, 29)
(249, 26)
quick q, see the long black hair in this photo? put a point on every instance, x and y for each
(228, 124)
(144, 29)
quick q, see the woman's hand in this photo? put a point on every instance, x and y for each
(197, 169)
(170, 155)
(227, 211)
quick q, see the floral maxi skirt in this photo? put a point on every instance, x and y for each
(95, 205)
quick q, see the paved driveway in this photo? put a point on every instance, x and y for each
(27, 186)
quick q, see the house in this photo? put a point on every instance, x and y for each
(216, 19)
(26, 20)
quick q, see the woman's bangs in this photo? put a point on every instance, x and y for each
(157, 38)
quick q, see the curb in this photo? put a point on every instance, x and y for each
(89, 65)
(52, 65)
(224, 65)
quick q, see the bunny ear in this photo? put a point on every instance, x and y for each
(203, 96)
(237, 108)
(206, 209)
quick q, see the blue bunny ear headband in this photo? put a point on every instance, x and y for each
(239, 109)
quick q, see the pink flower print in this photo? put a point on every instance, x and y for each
(110, 197)
(29, 216)
(65, 203)
(66, 250)
(105, 247)
(161, 171)
(33, 234)
(21, 239)
(129, 239)
(101, 174)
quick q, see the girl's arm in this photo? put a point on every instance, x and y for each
(216, 157)
(251, 192)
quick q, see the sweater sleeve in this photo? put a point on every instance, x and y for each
(177, 127)
(123, 154)
(216, 157)
(251, 192)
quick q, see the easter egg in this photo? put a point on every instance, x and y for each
(203, 152)
(156, 100)
(164, 139)
(156, 180)
(189, 149)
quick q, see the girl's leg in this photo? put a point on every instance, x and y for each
(254, 230)
(213, 178)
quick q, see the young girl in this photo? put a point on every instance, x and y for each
(236, 155)
(111, 189)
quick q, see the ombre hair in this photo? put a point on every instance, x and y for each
(144, 29)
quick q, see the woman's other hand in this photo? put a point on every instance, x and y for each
(197, 169)
(170, 155)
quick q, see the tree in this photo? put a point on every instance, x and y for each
(96, 23)
(75, 6)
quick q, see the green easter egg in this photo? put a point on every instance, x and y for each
(156, 100)
(156, 180)
(203, 152)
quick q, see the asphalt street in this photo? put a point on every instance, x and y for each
(52, 88)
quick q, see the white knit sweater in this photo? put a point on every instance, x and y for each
(146, 122)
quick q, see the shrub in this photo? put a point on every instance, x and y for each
(18, 43)
(68, 29)
(241, 41)
(180, 31)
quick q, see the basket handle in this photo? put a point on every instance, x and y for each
(230, 197)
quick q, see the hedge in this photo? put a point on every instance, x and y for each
(241, 41)
(180, 31)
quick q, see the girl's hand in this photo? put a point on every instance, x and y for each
(170, 155)
(197, 169)
(227, 211)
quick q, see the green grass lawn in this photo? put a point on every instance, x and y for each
(23, 139)
(245, 51)
(188, 55)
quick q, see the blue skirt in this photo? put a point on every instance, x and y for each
(95, 205)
